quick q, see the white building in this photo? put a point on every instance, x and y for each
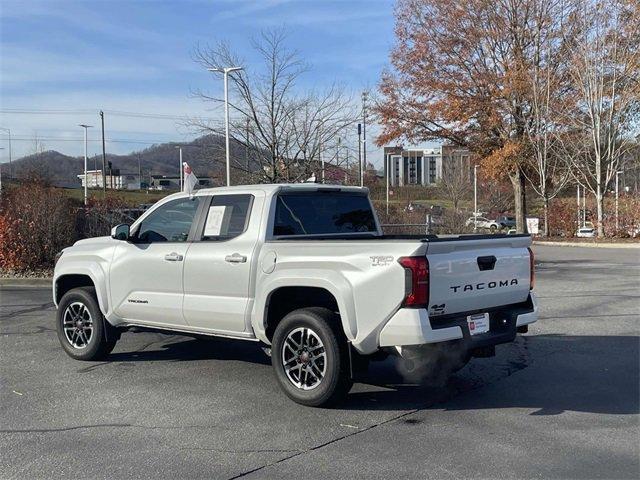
(420, 166)
(116, 181)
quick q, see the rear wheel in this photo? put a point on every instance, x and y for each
(81, 326)
(310, 357)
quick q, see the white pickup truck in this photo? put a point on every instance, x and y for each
(304, 269)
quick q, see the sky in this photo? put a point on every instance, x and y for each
(76, 57)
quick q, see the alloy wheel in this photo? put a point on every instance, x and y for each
(78, 325)
(304, 358)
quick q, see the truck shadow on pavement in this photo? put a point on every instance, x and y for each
(179, 348)
(549, 374)
(557, 373)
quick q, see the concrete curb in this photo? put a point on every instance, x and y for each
(25, 282)
(588, 245)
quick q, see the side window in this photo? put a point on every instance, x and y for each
(228, 217)
(169, 223)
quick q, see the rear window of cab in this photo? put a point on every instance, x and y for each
(323, 213)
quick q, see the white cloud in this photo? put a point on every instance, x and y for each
(27, 65)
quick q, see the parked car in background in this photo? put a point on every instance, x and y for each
(414, 207)
(482, 222)
(586, 232)
(506, 221)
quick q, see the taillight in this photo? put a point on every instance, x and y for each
(416, 281)
(532, 269)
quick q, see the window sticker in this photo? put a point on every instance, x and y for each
(214, 220)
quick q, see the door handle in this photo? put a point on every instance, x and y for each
(235, 258)
(173, 257)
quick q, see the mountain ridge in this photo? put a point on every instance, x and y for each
(205, 156)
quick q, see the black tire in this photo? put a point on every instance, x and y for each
(100, 342)
(336, 381)
(493, 227)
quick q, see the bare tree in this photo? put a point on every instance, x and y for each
(605, 70)
(279, 133)
(456, 182)
(547, 169)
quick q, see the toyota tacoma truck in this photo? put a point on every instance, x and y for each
(304, 269)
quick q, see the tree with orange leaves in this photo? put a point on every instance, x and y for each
(461, 73)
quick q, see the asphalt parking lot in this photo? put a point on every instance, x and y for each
(560, 402)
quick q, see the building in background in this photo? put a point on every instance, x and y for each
(168, 182)
(423, 166)
(115, 180)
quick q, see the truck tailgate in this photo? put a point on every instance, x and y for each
(477, 274)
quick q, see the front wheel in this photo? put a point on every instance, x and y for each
(81, 326)
(310, 357)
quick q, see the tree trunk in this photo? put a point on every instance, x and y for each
(518, 183)
(545, 232)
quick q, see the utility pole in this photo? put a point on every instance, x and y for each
(225, 73)
(584, 206)
(578, 195)
(85, 127)
(360, 153)
(338, 154)
(475, 198)
(180, 181)
(617, 194)
(104, 157)
(365, 96)
(246, 147)
(1, 148)
(9, 132)
(320, 149)
(386, 169)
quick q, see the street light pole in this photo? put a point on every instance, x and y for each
(365, 96)
(320, 149)
(386, 168)
(85, 160)
(181, 180)
(617, 194)
(9, 132)
(225, 72)
(1, 148)
(475, 198)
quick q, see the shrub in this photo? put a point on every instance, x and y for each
(36, 222)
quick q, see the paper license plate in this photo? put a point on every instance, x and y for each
(478, 323)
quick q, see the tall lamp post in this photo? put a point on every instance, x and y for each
(387, 166)
(181, 181)
(320, 157)
(365, 96)
(617, 194)
(85, 160)
(9, 132)
(475, 198)
(1, 148)
(225, 73)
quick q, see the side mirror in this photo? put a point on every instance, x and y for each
(121, 232)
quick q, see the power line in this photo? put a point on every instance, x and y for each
(118, 113)
(57, 139)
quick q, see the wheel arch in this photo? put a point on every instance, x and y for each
(67, 281)
(285, 297)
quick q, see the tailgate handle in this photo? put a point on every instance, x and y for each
(486, 263)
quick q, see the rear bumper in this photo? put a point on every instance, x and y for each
(412, 326)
